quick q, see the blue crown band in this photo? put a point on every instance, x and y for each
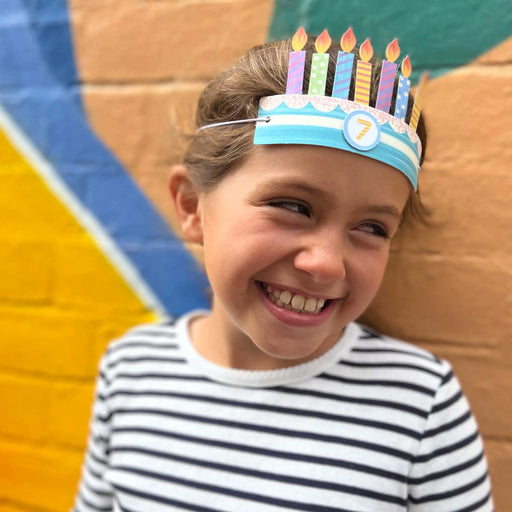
(340, 124)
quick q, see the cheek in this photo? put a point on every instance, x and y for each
(369, 270)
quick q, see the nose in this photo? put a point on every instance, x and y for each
(323, 257)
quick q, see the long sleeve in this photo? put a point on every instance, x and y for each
(449, 473)
(94, 493)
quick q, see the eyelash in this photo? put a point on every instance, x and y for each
(376, 229)
(293, 206)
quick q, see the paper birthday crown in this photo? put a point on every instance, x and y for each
(340, 121)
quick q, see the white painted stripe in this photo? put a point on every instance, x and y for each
(337, 124)
(82, 215)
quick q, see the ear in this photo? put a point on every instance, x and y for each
(186, 203)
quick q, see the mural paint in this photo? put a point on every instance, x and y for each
(35, 85)
(439, 36)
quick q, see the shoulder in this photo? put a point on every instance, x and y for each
(152, 342)
(404, 359)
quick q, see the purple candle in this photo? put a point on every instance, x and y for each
(387, 77)
(344, 66)
(296, 63)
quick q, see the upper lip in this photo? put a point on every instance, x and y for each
(296, 291)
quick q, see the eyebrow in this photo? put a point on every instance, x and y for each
(273, 186)
(384, 209)
(317, 192)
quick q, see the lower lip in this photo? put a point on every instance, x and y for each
(292, 318)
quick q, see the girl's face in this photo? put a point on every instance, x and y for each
(296, 240)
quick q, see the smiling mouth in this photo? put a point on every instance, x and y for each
(293, 301)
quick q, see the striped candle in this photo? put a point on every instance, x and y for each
(364, 74)
(296, 63)
(402, 94)
(319, 65)
(416, 108)
(387, 77)
(344, 66)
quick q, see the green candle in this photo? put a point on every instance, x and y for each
(319, 65)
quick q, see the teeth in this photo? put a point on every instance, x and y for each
(310, 305)
(285, 297)
(297, 303)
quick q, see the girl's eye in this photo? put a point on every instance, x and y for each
(292, 206)
(374, 229)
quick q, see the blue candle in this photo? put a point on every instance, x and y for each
(344, 66)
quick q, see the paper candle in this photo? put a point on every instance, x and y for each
(402, 94)
(344, 66)
(387, 77)
(319, 64)
(364, 74)
(296, 63)
(416, 108)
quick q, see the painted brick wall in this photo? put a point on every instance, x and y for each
(142, 66)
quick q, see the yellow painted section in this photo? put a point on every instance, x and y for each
(61, 301)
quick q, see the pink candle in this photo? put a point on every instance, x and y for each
(387, 77)
(296, 63)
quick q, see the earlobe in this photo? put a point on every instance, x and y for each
(186, 203)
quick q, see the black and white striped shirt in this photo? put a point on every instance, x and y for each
(374, 424)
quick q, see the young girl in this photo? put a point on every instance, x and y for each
(275, 399)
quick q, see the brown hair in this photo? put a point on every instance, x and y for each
(235, 94)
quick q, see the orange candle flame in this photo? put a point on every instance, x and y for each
(348, 40)
(323, 41)
(299, 39)
(393, 50)
(366, 51)
(406, 67)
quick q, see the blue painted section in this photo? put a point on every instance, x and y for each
(38, 89)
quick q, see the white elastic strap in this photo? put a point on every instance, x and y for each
(238, 121)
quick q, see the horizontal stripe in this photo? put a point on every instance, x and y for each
(400, 454)
(390, 366)
(380, 383)
(449, 494)
(155, 359)
(447, 449)
(290, 410)
(250, 496)
(447, 472)
(317, 484)
(278, 454)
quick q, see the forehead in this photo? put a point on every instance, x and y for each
(331, 172)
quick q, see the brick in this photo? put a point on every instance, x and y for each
(464, 301)
(24, 404)
(126, 41)
(145, 126)
(470, 217)
(142, 124)
(499, 454)
(117, 116)
(38, 477)
(85, 279)
(48, 341)
(68, 413)
(42, 410)
(26, 270)
(28, 208)
(468, 121)
(54, 342)
(500, 54)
